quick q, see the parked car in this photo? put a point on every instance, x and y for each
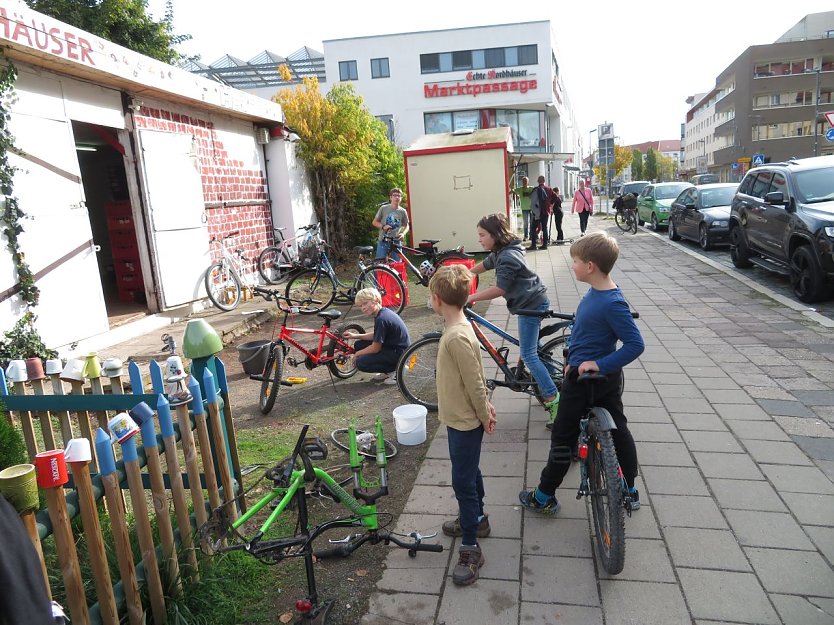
(635, 187)
(782, 219)
(704, 179)
(702, 214)
(655, 200)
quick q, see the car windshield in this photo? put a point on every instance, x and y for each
(670, 192)
(717, 197)
(634, 188)
(815, 185)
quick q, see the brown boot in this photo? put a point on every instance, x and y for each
(452, 528)
(469, 561)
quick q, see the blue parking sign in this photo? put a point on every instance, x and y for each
(758, 159)
(830, 134)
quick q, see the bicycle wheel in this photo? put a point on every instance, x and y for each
(606, 499)
(344, 365)
(274, 265)
(416, 372)
(222, 286)
(552, 355)
(632, 221)
(621, 219)
(389, 284)
(365, 443)
(443, 260)
(271, 383)
(316, 288)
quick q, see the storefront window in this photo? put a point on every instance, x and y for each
(438, 122)
(465, 120)
(529, 130)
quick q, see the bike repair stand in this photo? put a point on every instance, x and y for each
(309, 609)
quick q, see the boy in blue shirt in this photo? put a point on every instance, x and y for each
(602, 318)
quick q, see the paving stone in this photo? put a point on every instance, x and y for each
(643, 603)
(685, 404)
(674, 481)
(788, 408)
(757, 430)
(715, 383)
(711, 441)
(823, 538)
(812, 427)
(742, 412)
(643, 386)
(502, 491)
(435, 472)
(767, 529)
(820, 449)
(685, 511)
(705, 549)
(792, 572)
(664, 454)
(776, 452)
(439, 448)
(810, 508)
(501, 464)
(708, 597)
(803, 610)
(656, 432)
(549, 613)
(384, 609)
(681, 390)
(768, 392)
(431, 500)
(692, 421)
(412, 580)
(502, 558)
(637, 399)
(731, 466)
(787, 478)
(647, 414)
(505, 521)
(494, 601)
(646, 561)
(558, 580)
(727, 396)
(664, 373)
(745, 495)
(553, 536)
(816, 397)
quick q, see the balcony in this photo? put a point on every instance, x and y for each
(725, 155)
(725, 129)
(726, 103)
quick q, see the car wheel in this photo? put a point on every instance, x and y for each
(655, 225)
(673, 234)
(739, 252)
(640, 221)
(703, 238)
(806, 276)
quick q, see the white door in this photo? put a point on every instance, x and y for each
(179, 232)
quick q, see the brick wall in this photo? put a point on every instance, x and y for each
(225, 179)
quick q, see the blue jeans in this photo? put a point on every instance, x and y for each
(528, 338)
(467, 481)
(382, 250)
(384, 361)
(526, 216)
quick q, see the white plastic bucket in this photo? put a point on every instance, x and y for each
(410, 422)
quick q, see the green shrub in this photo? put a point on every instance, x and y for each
(12, 447)
(23, 341)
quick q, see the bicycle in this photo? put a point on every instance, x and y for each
(365, 441)
(626, 219)
(416, 367)
(278, 260)
(337, 354)
(433, 258)
(289, 484)
(319, 287)
(223, 279)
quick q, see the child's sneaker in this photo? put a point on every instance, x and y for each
(452, 528)
(529, 501)
(635, 498)
(552, 408)
(380, 377)
(391, 380)
(470, 559)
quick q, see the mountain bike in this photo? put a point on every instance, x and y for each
(337, 354)
(224, 278)
(290, 477)
(365, 442)
(278, 260)
(416, 367)
(626, 219)
(427, 250)
(319, 287)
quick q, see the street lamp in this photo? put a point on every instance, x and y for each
(816, 109)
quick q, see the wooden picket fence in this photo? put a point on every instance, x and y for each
(203, 436)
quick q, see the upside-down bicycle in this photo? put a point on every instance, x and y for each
(290, 478)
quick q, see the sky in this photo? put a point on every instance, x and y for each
(629, 63)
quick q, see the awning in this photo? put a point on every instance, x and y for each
(570, 167)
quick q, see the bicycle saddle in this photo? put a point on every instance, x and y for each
(330, 314)
(364, 249)
(431, 241)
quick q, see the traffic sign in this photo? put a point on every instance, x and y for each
(735, 166)
(758, 159)
(830, 134)
(830, 117)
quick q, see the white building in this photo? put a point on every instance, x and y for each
(700, 141)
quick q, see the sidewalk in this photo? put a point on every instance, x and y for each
(732, 407)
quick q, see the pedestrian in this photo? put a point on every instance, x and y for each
(603, 317)
(523, 194)
(523, 290)
(379, 351)
(392, 220)
(463, 407)
(558, 215)
(583, 203)
(539, 209)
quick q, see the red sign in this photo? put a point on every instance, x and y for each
(53, 40)
(437, 90)
(830, 117)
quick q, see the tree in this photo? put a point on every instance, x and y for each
(636, 165)
(622, 159)
(124, 22)
(350, 161)
(666, 168)
(650, 166)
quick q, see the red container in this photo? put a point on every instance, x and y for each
(123, 239)
(118, 209)
(388, 284)
(126, 252)
(469, 263)
(51, 468)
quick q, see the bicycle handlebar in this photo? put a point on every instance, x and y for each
(272, 294)
(344, 550)
(552, 314)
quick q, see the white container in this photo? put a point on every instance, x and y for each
(410, 422)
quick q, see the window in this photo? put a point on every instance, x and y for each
(480, 59)
(445, 61)
(437, 122)
(379, 68)
(462, 59)
(494, 57)
(466, 120)
(347, 70)
(388, 120)
(528, 55)
(429, 63)
(779, 184)
(762, 184)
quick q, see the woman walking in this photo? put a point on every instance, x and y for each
(583, 203)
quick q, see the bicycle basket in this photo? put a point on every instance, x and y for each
(308, 252)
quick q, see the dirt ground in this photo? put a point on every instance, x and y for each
(327, 404)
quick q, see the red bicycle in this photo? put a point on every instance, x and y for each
(332, 350)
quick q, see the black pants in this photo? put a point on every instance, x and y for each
(583, 221)
(384, 361)
(558, 215)
(572, 404)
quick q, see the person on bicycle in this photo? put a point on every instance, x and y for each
(378, 351)
(523, 289)
(602, 318)
(392, 220)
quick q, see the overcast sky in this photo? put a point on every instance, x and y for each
(630, 63)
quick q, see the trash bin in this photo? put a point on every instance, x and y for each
(253, 355)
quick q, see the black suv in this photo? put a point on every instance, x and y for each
(782, 219)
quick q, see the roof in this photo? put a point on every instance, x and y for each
(488, 138)
(262, 69)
